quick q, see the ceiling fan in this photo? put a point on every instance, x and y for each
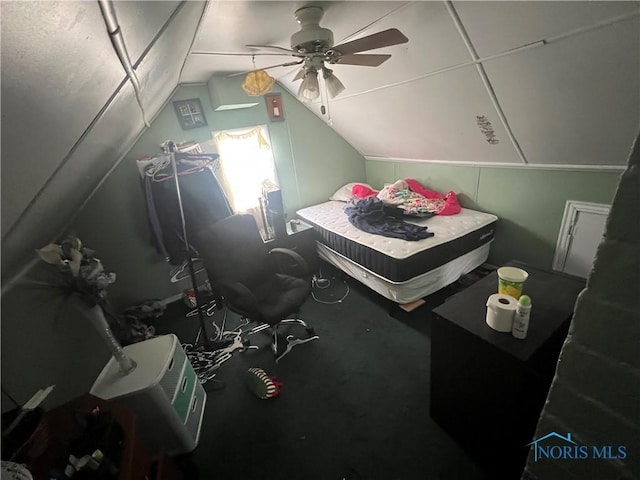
(313, 46)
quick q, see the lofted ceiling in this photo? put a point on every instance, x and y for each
(552, 83)
(557, 82)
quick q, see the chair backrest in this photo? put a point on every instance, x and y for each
(232, 250)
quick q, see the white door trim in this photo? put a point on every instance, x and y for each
(571, 210)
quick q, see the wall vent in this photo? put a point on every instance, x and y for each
(227, 94)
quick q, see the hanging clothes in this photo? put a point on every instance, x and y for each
(203, 201)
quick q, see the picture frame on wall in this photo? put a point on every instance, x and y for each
(190, 113)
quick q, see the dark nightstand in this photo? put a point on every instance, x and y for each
(487, 387)
(302, 239)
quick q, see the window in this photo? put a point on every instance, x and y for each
(246, 161)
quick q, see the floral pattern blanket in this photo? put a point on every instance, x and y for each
(414, 199)
(411, 203)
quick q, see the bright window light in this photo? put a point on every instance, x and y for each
(246, 161)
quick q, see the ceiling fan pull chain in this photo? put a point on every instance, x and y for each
(323, 98)
(325, 109)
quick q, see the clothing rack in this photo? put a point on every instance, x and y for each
(183, 195)
(204, 199)
(170, 148)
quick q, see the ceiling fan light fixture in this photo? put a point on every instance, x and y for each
(334, 86)
(309, 88)
(258, 83)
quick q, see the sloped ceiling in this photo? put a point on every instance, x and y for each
(68, 111)
(559, 83)
(565, 76)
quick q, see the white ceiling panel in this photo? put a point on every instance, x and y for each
(159, 72)
(46, 108)
(443, 126)
(496, 27)
(575, 101)
(140, 22)
(199, 68)
(229, 26)
(349, 20)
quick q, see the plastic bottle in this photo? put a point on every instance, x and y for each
(521, 320)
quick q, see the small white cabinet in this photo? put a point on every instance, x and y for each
(163, 392)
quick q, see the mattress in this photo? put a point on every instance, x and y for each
(394, 259)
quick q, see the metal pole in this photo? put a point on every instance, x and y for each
(192, 273)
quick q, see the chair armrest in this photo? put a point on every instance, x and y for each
(239, 297)
(298, 266)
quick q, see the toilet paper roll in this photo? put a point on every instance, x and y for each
(501, 310)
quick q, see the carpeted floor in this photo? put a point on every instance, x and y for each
(354, 404)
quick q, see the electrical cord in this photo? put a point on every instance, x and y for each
(321, 283)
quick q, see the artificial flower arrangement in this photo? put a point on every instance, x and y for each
(82, 273)
(83, 277)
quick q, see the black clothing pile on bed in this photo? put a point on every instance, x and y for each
(372, 216)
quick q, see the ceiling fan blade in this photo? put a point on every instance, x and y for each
(273, 47)
(288, 64)
(386, 38)
(364, 60)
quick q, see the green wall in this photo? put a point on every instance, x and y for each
(312, 161)
(529, 202)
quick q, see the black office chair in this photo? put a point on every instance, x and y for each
(262, 285)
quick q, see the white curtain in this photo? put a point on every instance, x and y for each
(246, 161)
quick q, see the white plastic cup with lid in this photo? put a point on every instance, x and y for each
(511, 281)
